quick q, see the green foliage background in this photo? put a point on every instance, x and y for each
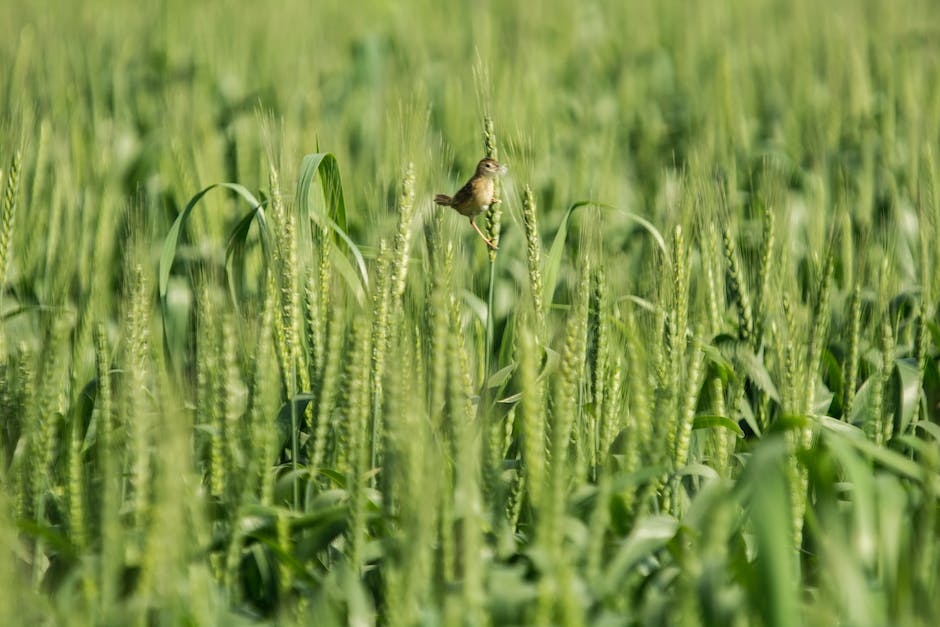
(697, 384)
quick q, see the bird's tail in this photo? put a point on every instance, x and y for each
(443, 200)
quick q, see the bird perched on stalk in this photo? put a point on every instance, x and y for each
(477, 195)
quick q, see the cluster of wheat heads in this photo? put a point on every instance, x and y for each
(310, 431)
(711, 399)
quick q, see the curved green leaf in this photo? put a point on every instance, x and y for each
(890, 460)
(351, 246)
(553, 261)
(500, 377)
(326, 165)
(862, 407)
(786, 422)
(476, 304)
(723, 367)
(757, 372)
(930, 427)
(342, 265)
(909, 392)
(648, 536)
(323, 167)
(643, 303)
(764, 490)
(839, 426)
(170, 243)
(716, 422)
(291, 409)
(698, 470)
(238, 243)
(81, 414)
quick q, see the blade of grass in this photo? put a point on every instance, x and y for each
(323, 167)
(171, 243)
(553, 261)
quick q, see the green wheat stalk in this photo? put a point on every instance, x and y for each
(533, 251)
(135, 410)
(535, 446)
(493, 222)
(739, 291)
(381, 296)
(357, 410)
(764, 274)
(7, 219)
(8, 214)
(262, 395)
(110, 474)
(599, 358)
(329, 386)
(850, 367)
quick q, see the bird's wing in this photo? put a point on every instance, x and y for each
(463, 196)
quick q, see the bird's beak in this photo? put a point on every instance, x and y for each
(503, 169)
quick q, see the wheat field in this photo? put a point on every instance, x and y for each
(250, 374)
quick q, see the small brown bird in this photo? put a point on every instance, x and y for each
(477, 195)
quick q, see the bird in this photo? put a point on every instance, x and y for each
(476, 195)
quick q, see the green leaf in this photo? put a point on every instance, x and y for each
(723, 366)
(714, 422)
(81, 414)
(509, 589)
(934, 329)
(909, 392)
(635, 478)
(859, 475)
(763, 486)
(642, 303)
(823, 401)
(500, 377)
(787, 422)
(757, 372)
(861, 408)
(337, 477)
(889, 459)
(289, 559)
(552, 360)
(918, 446)
(649, 535)
(295, 409)
(358, 283)
(844, 428)
(53, 536)
(358, 600)
(237, 246)
(507, 344)
(171, 243)
(697, 470)
(833, 368)
(326, 165)
(553, 261)
(931, 428)
(476, 304)
(323, 168)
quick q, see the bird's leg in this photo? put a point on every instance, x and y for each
(488, 242)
